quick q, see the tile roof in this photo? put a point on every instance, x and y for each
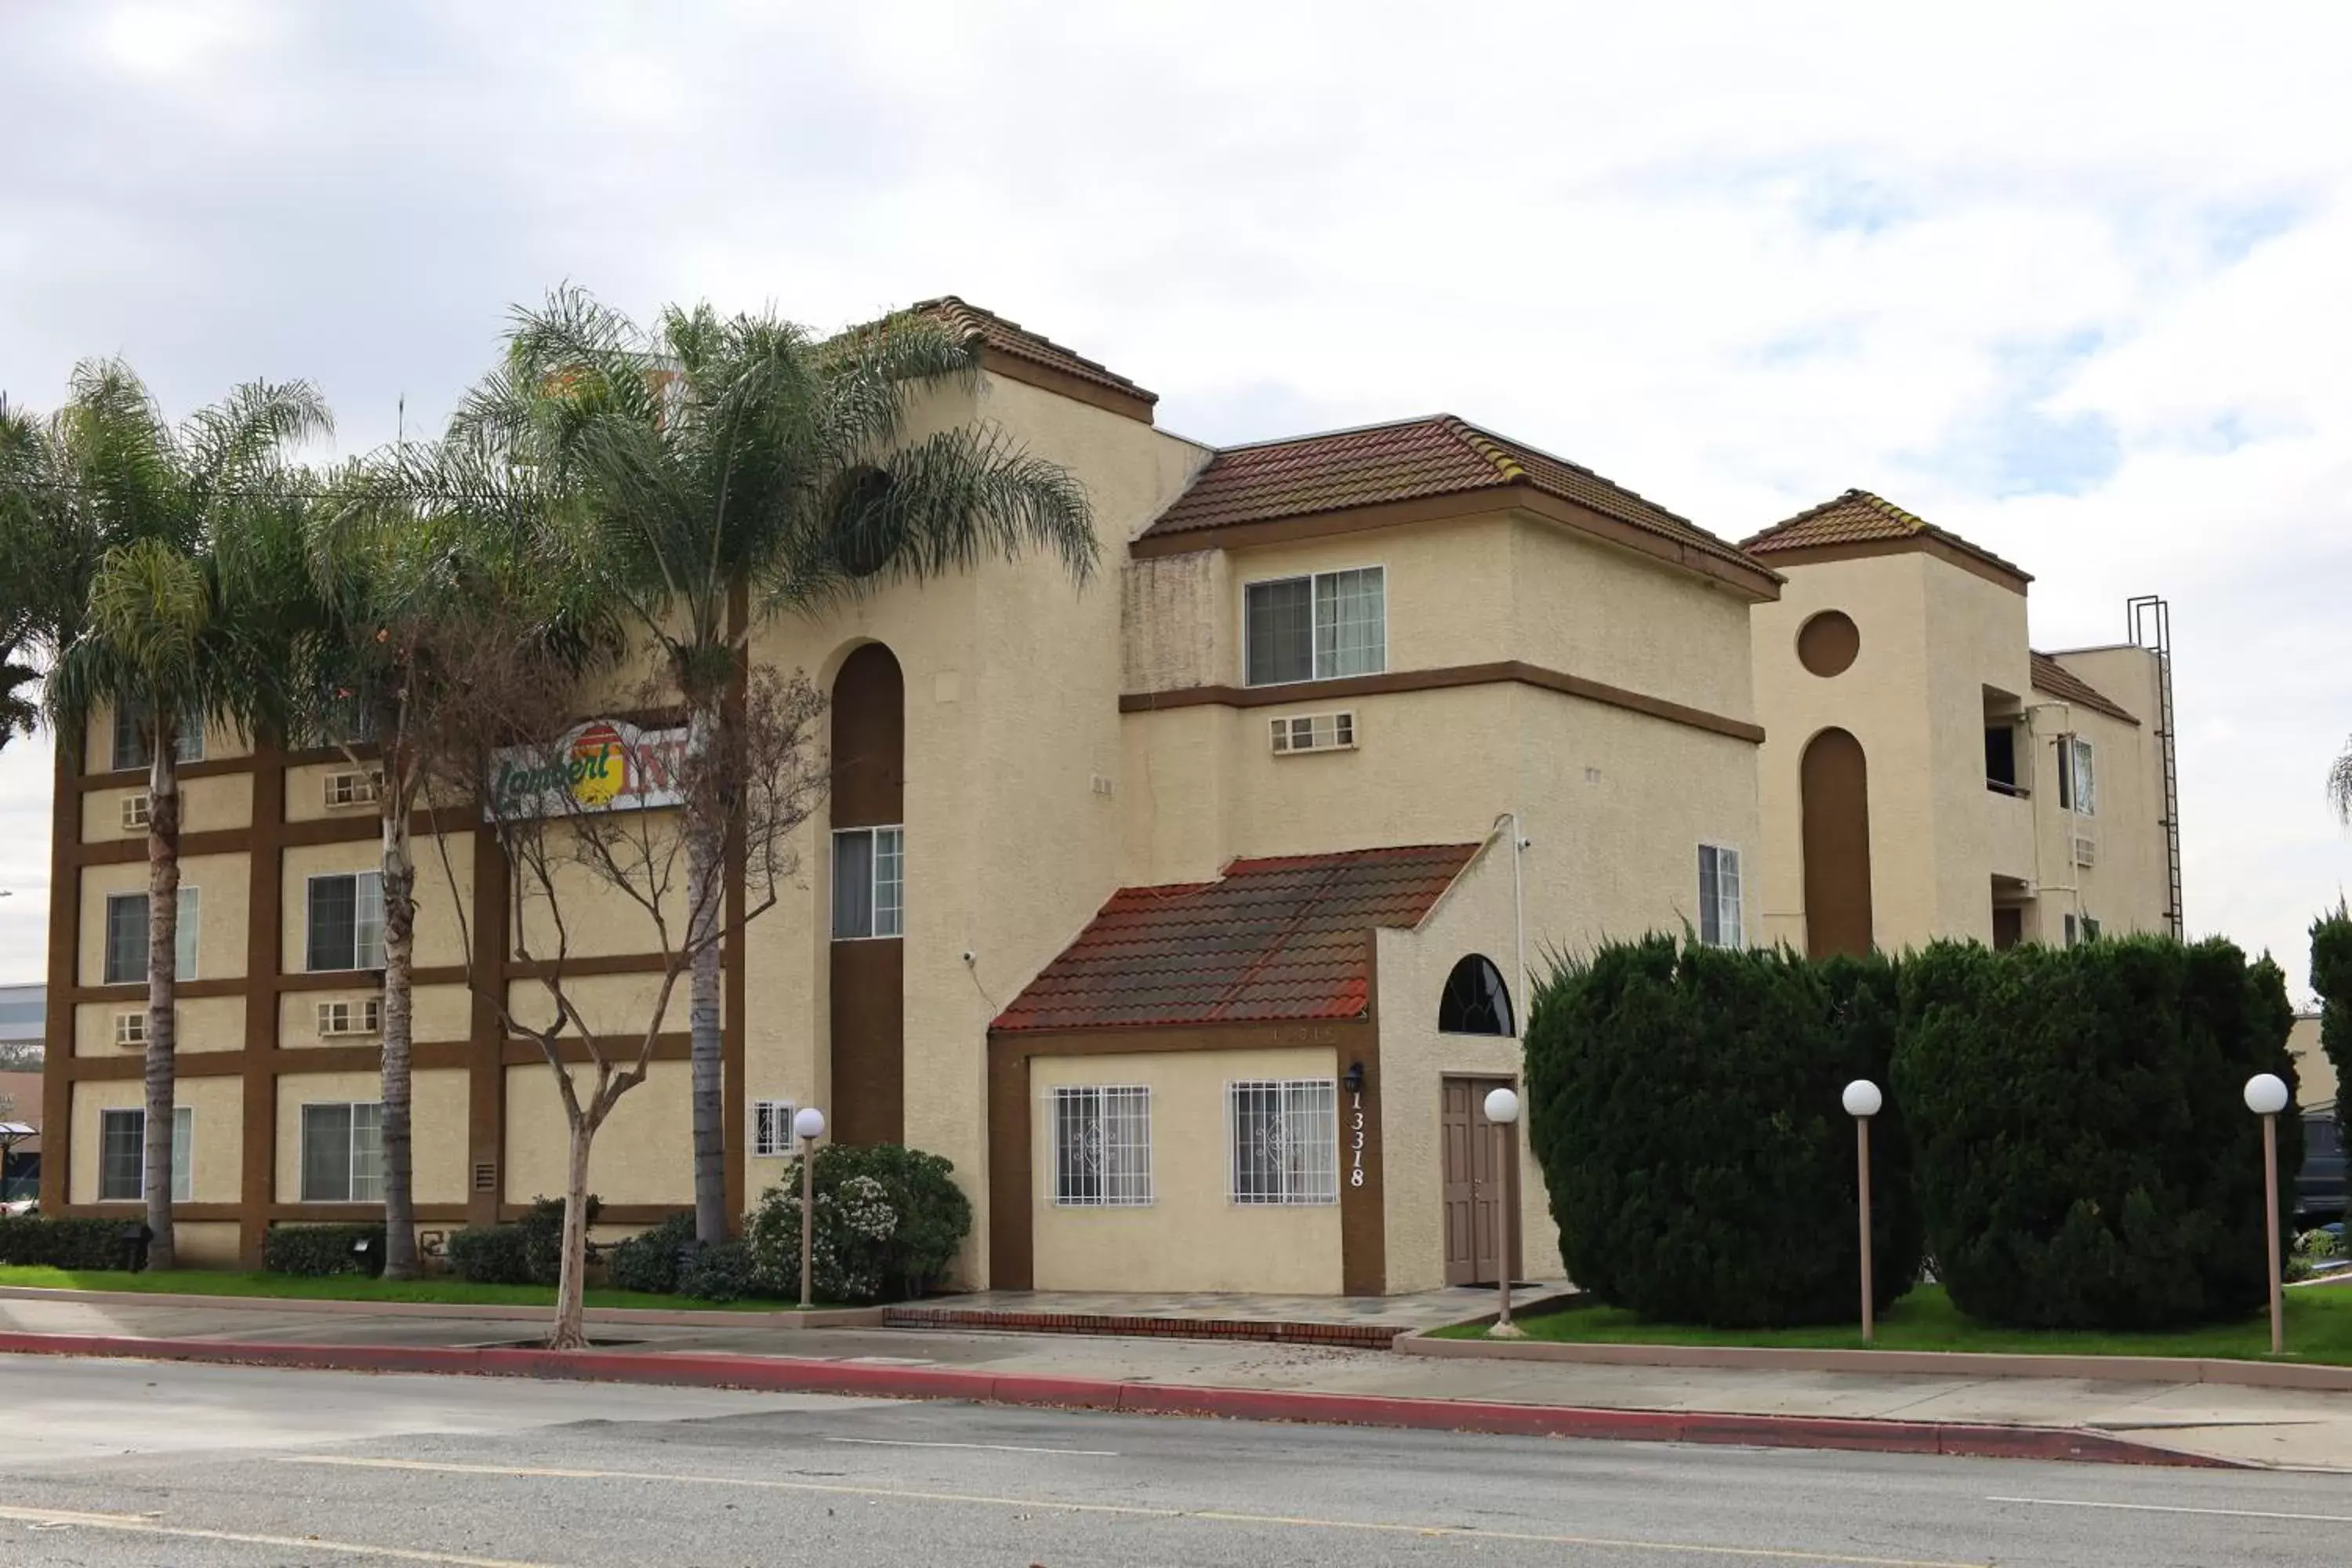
(2055, 679)
(1858, 517)
(968, 321)
(1276, 939)
(1408, 460)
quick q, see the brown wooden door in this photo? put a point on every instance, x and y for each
(1474, 1186)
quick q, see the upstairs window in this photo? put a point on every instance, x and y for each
(2077, 777)
(342, 1154)
(126, 938)
(869, 882)
(1475, 1000)
(345, 922)
(131, 738)
(1320, 627)
(1719, 923)
(122, 1156)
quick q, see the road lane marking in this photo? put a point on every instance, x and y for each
(133, 1524)
(2165, 1508)
(986, 1448)
(1132, 1510)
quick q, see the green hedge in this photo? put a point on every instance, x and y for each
(34, 1242)
(889, 1219)
(648, 1261)
(316, 1250)
(2085, 1158)
(528, 1251)
(1684, 1102)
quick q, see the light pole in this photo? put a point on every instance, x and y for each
(1863, 1101)
(808, 1126)
(1503, 1110)
(2266, 1096)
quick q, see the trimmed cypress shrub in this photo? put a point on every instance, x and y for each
(33, 1242)
(2084, 1155)
(318, 1250)
(1685, 1107)
(2331, 976)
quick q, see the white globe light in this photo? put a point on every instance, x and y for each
(1502, 1107)
(808, 1122)
(2265, 1094)
(1862, 1098)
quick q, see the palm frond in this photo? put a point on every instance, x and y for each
(2339, 784)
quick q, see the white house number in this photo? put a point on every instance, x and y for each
(1356, 1140)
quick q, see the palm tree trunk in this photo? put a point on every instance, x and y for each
(163, 984)
(704, 869)
(570, 1333)
(399, 1011)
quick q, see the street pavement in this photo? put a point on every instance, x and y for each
(109, 1464)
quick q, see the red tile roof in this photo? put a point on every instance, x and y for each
(2052, 677)
(1408, 460)
(1276, 938)
(1858, 517)
(969, 322)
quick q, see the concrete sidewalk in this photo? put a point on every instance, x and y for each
(2209, 1422)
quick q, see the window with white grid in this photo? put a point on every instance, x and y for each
(1323, 626)
(1285, 1137)
(771, 1129)
(1719, 923)
(1102, 1147)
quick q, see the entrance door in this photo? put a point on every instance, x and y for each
(1475, 1181)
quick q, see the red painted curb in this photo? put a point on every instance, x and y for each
(782, 1374)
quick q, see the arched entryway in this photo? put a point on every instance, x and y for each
(867, 903)
(1834, 781)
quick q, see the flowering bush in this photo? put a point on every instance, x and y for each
(889, 1220)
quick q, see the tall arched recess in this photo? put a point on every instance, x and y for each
(867, 899)
(1834, 781)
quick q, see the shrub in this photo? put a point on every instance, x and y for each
(489, 1255)
(2085, 1157)
(716, 1271)
(1685, 1107)
(316, 1250)
(649, 1262)
(889, 1219)
(63, 1243)
(2331, 976)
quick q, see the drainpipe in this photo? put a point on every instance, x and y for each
(1519, 919)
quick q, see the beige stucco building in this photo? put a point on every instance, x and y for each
(1182, 909)
(1926, 774)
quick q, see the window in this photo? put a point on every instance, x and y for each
(771, 1129)
(342, 1154)
(2001, 759)
(869, 883)
(122, 1156)
(1321, 628)
(131, 739)
(1102, 1147)
(1286, 1141)
(2077, 779)
(126, 938)
(1475, 1000)
(346, 921)
(1718, 897)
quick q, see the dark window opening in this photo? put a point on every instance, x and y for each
(1476, 1000)
(2001, 758)
(2008, 925)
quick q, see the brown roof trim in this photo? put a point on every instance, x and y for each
(1078, 389)
(1973, 561)
(1014, 352)
(1401, 681)
(2057, 681)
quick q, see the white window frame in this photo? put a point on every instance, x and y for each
(352, 1193)
(185, 938)
(183, 1153)
(2087, 777)
(1120, 1116)
(1722, 921)
(1296, 1184)
(360, 949)
(188, 746)
(895, 909)
(771, 1129)
(1315, 658)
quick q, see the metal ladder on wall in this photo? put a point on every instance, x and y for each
(2151, 627)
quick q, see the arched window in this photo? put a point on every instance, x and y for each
(1476, 1002)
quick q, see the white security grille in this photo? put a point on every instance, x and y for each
(1285, 1137)
(362, 1018)
(134, 813)
(353, 786)
(1102, 1147)
(771, 1129)
(1315, 733)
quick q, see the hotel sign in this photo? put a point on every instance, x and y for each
(605, 764)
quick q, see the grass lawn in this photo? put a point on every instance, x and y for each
(2318, 1329)
(353, 1288)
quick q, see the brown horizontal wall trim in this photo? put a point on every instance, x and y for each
(1405, 681)
(136, 778)
(424, 1057)
(610, 1214)
(187, 991)
(133, 1209)
(361, 1213)
(359, 829)
(619, 1049)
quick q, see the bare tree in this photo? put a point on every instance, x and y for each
(590, 821)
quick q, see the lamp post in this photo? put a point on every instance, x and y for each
(2266, 1096)
(1503, 1110)
(808, 1126)
(1863, 1101)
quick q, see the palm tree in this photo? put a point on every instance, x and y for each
(2339, 784)
(167, 546)
(725, 461)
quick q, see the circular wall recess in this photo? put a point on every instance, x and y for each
(1827, 643)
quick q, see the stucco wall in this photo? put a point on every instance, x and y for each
(2315, 1074)
(437, 1127)
(439, 942)
(216, 1108)
(207, 805)
(2127, 886)
(1191, 1237)
(206, 1024)
(643, 1154)
(220, 884)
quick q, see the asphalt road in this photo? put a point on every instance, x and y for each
(120, 1463)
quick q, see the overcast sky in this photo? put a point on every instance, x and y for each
(2070, 279)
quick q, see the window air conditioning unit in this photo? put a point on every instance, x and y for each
(1315, 733)
(347, 1018)
(130, 1029)
(2086, 851)
(134, 813)
(353, 786)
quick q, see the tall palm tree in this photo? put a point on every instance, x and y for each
(2339, 784)
(166, 543)
(717, 460)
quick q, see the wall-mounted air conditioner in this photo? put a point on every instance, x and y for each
(345, 1018)
(1315, 733)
